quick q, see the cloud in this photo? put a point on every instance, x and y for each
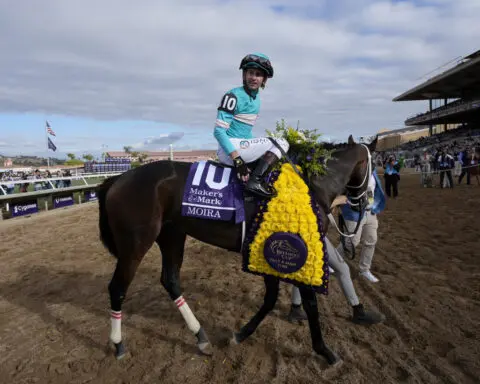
(337, 64)
(159, 142)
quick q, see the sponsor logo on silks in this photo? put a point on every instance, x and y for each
(244, 144)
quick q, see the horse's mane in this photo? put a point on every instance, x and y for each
(333, 146)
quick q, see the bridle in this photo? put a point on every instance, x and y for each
(358, 200)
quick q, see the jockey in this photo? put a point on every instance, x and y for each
(236, 116)
(367, 230)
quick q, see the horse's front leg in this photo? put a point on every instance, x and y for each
(309, 300)
(271, 294)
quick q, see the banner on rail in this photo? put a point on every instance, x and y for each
(26, 208)
(90, 196)
(62, 201)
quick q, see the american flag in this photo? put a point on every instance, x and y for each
(49, 130)
(51, 146)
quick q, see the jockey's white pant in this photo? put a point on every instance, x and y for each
(342, 273)
(252, 149)
(367, 235)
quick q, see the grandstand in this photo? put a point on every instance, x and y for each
(393, 139)
(453, 97)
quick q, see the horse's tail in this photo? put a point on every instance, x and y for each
(106, 234)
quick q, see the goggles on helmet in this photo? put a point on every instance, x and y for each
(255, 61)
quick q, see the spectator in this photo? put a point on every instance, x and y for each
(445, 164)
(392, 176)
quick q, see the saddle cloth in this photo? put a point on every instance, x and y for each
(213, 192)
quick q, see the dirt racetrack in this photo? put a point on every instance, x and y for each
(54, 307)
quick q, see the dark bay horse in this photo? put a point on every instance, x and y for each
(143, 206)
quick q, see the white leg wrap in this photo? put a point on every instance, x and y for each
(188, 315)
(116, 326)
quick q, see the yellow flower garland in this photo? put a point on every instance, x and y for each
(290, 211)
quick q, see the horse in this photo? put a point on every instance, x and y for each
(143, 206)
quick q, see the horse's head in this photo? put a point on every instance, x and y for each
(348, 172)
(356, 187)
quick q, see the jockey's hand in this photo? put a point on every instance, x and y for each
(241, 169)
(339, 200)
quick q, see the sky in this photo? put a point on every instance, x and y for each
(148, 74)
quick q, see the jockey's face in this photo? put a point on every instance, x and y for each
(254, 78)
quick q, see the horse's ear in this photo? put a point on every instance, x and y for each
(373, 144)
(350, 140)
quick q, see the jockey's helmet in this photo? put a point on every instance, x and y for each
(257, 60)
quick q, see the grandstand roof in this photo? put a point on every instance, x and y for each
(400, 131)
(450, 84)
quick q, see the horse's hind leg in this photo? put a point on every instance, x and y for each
(271, 294)
(122, 277)
(172, 243)
(309, 300)
(132, 248)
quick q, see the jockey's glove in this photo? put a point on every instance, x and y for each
(240, 167)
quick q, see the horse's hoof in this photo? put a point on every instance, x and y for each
(119, 350)
(205, 348)
(332, 358)
(235, 339)
(297, 315)
(337, 362)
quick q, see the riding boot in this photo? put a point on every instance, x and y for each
(255, 182)
(363, 317)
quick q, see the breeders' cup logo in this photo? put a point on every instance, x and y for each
(244, 144)
(285, 252)
(90, 195)
(60, 202)
(63, 199)
(284, 249)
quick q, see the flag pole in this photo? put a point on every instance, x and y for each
(46, 142)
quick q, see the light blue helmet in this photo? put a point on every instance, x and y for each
(257, 60)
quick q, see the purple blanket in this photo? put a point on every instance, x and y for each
(214, 193)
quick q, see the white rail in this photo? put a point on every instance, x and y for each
(49, 181)
(17, 198)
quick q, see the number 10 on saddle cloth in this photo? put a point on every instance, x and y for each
(286, 236)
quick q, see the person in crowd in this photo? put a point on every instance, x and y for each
(392, 176)
(464, 158)
(445, 165)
